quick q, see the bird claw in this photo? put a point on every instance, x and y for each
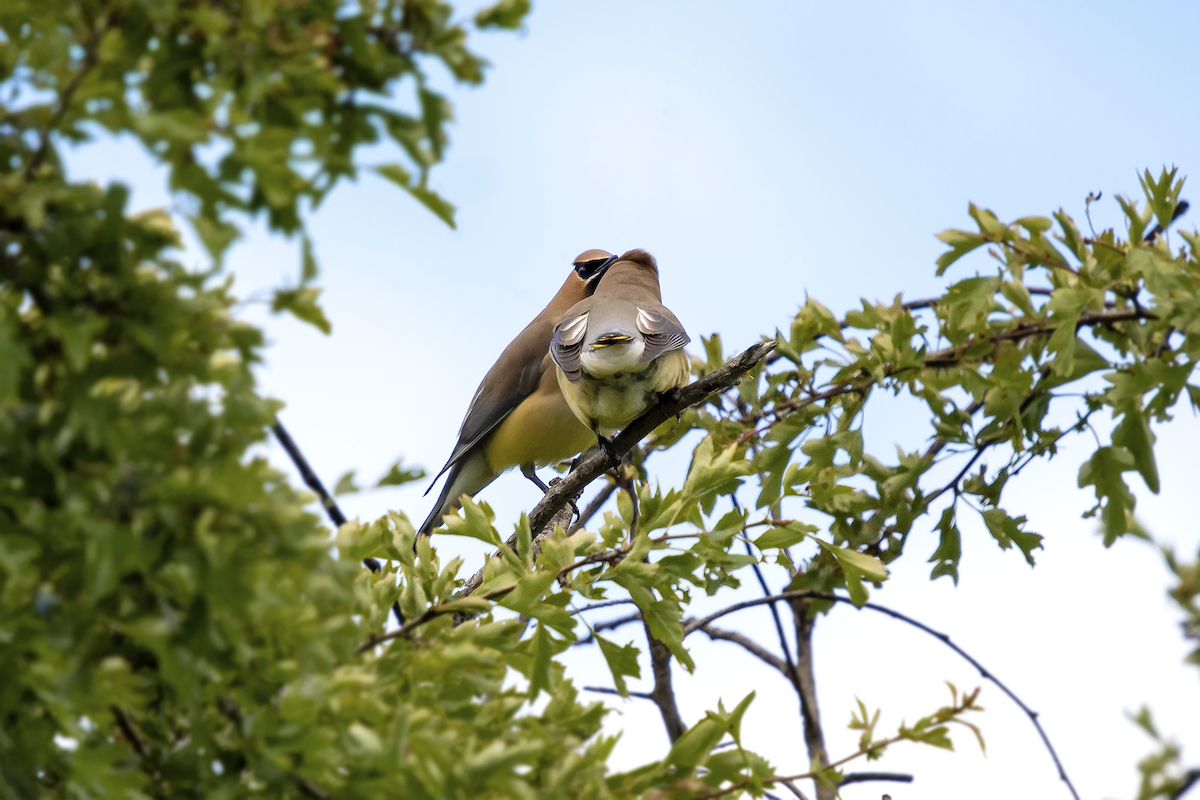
(574, 508)
(610, 447)
(673, 397)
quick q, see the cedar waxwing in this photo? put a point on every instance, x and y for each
(518, 417)
(621, 348)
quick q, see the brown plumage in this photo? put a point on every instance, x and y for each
(518, 416)
(619, 349)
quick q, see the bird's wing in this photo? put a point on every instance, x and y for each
(661, 330)
(501, 390)
(567, 344)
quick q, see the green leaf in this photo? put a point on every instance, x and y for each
(949, 549)
(13, 358)
(398, 475)
(541, 678)
(855, 567)
(345, 485)
(961, 243)
(424, 195)
(308, 262)
(1162, 195)
(1134, 435)
(1103, 471)
(507, 15)
(1007, 531)
(713, 472)
(622, 660)
(302, 304)
(786, 536)
(690, 750)
(475, 521)
(214, 234)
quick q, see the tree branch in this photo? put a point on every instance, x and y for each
(131, 733)
(64, 99)
(598, 460)
(663, 695)
(692, 625)
(605, 690)
(864, 777)
(806, 679)
(751, 646)
(327, 502)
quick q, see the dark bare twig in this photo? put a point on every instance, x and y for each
(64, 99)
(693, 625)
(603, 604)
(1190, 779)
(132, 734)
(1180, 209)
(605, 690)
(863, 777)
(309, 788)
(752, 647)
(327, 502)
(791, 673)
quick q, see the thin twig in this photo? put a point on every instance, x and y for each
(694, 625)
(864, 777)
(327, 502)
(64, 101)
(132, 734)
(791, 673)
(753, 647)
(1190, 778)
(605, 690)
(603, 604)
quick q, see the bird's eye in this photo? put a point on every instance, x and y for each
(591, 269)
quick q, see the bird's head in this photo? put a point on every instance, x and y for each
(591, 264)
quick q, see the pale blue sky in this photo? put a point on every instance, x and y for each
(763, 151)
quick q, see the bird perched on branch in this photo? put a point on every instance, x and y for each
(621, 348)
(518, 417)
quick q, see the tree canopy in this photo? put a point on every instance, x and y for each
(174, 620)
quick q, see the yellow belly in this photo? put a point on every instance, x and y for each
(541, 430)
(613, 401)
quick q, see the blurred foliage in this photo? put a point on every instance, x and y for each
(172, 620)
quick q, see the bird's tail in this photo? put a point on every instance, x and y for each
(468, 476)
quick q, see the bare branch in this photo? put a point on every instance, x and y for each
(806, 687)
(663, 695)
(692, 625)
(605, 690)
(91, 50)
(1190, 778)
(598, 460)
(753, 647)
(327, 502)
(131, 733)
(603, 604)
(864, 777)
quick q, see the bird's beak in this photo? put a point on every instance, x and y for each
(593, 271)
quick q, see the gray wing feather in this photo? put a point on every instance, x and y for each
(662, 332)
(567, 345)
(486, 412)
